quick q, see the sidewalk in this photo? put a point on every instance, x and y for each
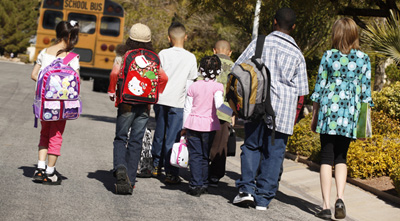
(301, 182)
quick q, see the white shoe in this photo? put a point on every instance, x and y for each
(261, 208)
(243, 198)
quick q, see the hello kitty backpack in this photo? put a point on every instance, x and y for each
(57, 92)
(138, 81)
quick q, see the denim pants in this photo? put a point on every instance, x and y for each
(199, 144)
(169, 125)
(259, 154)
(127, 146)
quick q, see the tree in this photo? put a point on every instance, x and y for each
(18, 24)
(384, 38)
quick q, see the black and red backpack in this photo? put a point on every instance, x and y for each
(139, 77)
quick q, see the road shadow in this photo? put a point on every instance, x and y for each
(28, 171)
(104, 176)
(298, 202)
(99, 118)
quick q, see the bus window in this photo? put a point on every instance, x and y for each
(51, 19)
(110, 26)
(87, 23)
(84, 54)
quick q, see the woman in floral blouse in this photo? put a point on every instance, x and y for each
(343, 83)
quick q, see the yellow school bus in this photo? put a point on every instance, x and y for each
(101, 25)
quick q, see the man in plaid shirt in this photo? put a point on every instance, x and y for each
(286, 63)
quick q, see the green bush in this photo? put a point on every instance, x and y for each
(393, 73)
(388, 100)
(303, 141)
(374, 157)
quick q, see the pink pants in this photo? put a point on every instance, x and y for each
(51, 136)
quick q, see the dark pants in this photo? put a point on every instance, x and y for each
(260, 157)
(334, 149)
(168, 129)
(199, 144)
(218, 151)
(127, 148)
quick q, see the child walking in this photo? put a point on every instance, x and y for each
(180, 66)
(132, 118)
(51, 131)
(204, 98)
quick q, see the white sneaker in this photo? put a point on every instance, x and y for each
(261, 208)
(243, 198)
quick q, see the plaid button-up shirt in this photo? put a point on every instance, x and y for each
(286, 63)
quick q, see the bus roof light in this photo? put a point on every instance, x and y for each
(118, 10)
(49, 2)
(110, 9)
(57, 3)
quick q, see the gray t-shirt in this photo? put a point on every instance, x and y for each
(180, 65)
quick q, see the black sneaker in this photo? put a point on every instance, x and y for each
(195, 191)
(213, 182)
(123, 185)
(324, 214)
(144, 173)
(340, 209)
(204, 190)
(39, 175)
(172, 179)
(52, 179)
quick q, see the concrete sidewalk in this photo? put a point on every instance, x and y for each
(299, 181)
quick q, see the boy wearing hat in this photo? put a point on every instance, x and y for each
(132, 118)
(181, 68)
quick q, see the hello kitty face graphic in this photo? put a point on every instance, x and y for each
(136, 87)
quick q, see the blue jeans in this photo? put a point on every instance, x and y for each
(127, 148)
(199, 144)
(169, 125)
(259, 154)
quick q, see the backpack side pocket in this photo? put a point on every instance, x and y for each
(51, 110)
(71, 109)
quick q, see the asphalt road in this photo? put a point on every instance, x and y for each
(87, 190)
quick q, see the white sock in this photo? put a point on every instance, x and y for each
(50, 170)
(41, 164)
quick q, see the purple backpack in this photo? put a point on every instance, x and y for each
(57, 92)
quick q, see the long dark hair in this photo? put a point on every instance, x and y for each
(67, 32)
(132, 44)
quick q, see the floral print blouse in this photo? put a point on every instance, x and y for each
(343, 83)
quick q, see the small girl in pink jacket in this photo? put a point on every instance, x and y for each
(200, 119)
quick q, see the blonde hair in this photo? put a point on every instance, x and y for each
(345, 35)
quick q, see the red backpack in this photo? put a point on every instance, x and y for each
(138, 81)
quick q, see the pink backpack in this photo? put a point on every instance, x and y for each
(57, 92)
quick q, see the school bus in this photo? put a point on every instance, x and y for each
(101, 25)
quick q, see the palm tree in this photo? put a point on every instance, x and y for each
(384, 38)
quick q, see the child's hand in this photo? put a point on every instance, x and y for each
(233, 121)
(112, 96)
(183, 132)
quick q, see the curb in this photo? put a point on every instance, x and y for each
(315, 166)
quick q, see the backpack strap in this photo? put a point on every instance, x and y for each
(69, 57)
(288, 41)
(259, 46)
